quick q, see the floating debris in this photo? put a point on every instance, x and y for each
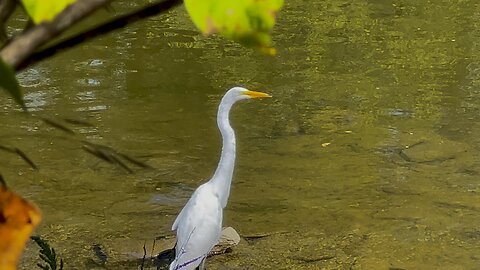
(100, 254)
(95, 62)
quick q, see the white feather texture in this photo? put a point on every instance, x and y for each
(199, 224)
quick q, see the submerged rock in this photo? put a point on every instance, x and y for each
(132, 258)
(228, 240)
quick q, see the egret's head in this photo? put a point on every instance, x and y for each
(239, 93)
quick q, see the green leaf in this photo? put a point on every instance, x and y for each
(9, 83)
(45, 10)
(47, 254)
(246, 21)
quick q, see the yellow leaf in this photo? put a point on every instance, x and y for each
(45, 10)
(246, 21)
(18, 218)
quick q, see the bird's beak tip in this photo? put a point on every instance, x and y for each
(255, 94)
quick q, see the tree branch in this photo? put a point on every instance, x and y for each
(20, 52)
(108, 27)
(24, 45)
(6, 9)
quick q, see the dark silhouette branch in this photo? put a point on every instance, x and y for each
(6, 9)
(120, 22)
(105, 28)
(21, 47)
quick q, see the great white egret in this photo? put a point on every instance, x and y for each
(199, 224)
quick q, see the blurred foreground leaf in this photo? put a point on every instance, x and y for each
(9, 83)
(246, 21)
(45, 10)
(18, 218)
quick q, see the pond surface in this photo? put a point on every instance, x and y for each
(367, 157)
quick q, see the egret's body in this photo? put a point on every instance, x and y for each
(199, 224)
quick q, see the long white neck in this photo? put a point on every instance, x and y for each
(222, 178)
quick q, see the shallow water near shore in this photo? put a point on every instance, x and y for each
(366, 157)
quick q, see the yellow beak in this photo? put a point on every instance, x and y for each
(254, 94)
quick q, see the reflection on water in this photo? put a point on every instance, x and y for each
(366, 158)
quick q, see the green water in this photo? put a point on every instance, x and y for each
(367, 157)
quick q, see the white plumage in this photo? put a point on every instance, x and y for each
(199, 224)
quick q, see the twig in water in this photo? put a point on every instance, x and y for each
(144, 256)
(153, 245)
